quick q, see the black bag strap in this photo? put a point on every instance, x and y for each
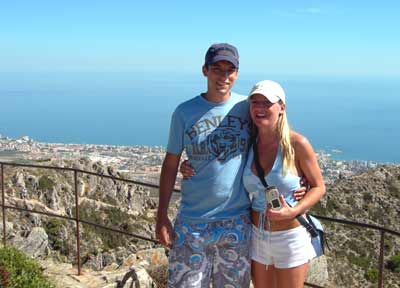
(260, 173)
(313, 232)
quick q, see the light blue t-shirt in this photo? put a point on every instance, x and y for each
(215, 137)
(286, 184)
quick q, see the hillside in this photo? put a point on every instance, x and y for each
(372, 197)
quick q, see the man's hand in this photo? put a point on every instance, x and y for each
(304, 188)
(299, 193)
(164, 231)
(186, 170)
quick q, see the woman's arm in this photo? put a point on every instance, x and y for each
(307, 165)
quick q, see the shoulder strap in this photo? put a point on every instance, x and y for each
(260, 171)
(313, 232)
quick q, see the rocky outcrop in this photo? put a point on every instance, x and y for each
(131, 272)
(9, 228)
(318, 271)
(107, 257)
(372, 197)
(35, 244)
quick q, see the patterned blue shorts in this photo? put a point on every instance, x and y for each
(217, 250)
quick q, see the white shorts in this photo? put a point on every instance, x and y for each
(283, 249)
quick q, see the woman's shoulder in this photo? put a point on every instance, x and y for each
(299, 142)
(297, 138)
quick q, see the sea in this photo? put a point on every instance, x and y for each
(351, 118)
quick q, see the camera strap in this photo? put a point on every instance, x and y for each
(261, 175)
(260, 171)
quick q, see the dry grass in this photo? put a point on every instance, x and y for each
(159, 274)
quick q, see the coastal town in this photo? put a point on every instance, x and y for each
(141, 163)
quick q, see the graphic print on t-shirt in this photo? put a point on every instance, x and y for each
(217, 137)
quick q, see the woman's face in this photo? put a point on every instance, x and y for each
(263, 112)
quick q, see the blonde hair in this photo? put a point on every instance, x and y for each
(284, 132)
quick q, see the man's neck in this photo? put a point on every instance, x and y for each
(216, 97)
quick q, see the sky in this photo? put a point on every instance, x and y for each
(356, 38)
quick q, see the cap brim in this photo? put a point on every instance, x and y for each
(225, 58)
(271, 98)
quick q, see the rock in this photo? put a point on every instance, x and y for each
(94, 262)
(9, 228)
(108, 259)
(66, 276)
(131, 260)
(98, 168)
(36, 244)
(135, 275)
(81, 188)
(154, 256)
(19, 180)
(52, 199)
(60, 273)
(111, 267)
(318, 271)
(33, 181)
(111, 171)
(34, 219)
(79, 165)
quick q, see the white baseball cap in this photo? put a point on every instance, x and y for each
(270, 90)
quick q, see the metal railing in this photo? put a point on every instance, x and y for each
(78, 220)
(382, 231)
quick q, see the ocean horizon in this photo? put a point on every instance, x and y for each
(351, 118)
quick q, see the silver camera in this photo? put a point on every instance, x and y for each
(273, 200)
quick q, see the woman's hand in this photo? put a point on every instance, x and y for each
(286, 212)
(186, 170)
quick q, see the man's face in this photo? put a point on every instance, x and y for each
(221, 76)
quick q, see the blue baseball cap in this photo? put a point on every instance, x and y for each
(220, 52)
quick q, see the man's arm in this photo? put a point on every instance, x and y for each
(164, 231)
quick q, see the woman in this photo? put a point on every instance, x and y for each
(281, 247)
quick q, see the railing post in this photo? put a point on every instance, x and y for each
(78, 248)
(380, 279)
(3, 202)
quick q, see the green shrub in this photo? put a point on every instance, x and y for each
(318, 209)
(394, 189)
(372, 275)
(4, 277)
(394, 263)
(367, 197)
(360, 261)
(332, 205)
(54, 228)
(111, 217)
(351, 201)
(19, 271)
(45, 183)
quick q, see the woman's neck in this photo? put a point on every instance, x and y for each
(267, 137)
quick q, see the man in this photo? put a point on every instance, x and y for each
(212, 231)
